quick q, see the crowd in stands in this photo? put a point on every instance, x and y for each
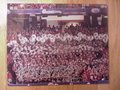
(42, 6)
(73, 55)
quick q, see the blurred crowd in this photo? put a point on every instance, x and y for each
(58, 56)
(42, 6)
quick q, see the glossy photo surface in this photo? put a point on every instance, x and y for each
(57, 44)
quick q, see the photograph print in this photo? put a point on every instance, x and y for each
(57, 44)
